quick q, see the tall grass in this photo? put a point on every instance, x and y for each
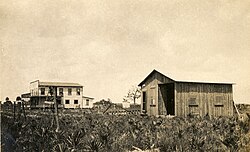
(92, 132)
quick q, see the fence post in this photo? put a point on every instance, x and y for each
(23, 110)
(14, 108)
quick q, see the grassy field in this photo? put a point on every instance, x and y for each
(93, 132)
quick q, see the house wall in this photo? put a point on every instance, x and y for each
(203, 98)
(65, 91)
(151, 88)
(38, 98)
(71, 97)
(34, 88)
(84, 102)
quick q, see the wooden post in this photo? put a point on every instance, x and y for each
(14, 110)
(56, 109)
(23, 110)
(56, 114)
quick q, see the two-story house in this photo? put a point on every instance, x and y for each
(68, 95)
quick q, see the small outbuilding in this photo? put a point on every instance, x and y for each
(162, 95)
(87, 102)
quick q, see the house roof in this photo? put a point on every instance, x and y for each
(179, 81)
(60, 84)
(87, 97)
(25, 95)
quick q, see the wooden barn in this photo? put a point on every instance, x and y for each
(162, 95)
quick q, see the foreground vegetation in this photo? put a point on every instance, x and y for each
(93, 132)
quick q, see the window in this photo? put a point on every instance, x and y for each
(42, 91)
(192, 102)
(87, 102)
(59, 102)
(78, 91)
(69, 91)
(75, 101)
(66, 101)
(60, 91)
(193, 105)
(144, 101)
(152, 101)
(219, 101)
(152, 98)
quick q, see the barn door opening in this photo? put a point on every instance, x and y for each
(144, 101)
(167, 92)
(170, 99)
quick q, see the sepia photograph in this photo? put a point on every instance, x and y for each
(125, 75)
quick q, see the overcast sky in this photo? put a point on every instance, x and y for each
(110, 45)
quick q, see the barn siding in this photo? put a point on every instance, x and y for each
(202, 99)
(190, 97)
(150, 90)
(153, 93)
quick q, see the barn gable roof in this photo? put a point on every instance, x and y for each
(179, 81)
(152, 73)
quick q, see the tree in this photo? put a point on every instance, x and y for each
(7, 102)
(134, 93)
(103, 102)
(18, 98)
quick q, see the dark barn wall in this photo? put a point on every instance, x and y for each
(203, 98)
(162, 96)
(150, 87)
(166, 99)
